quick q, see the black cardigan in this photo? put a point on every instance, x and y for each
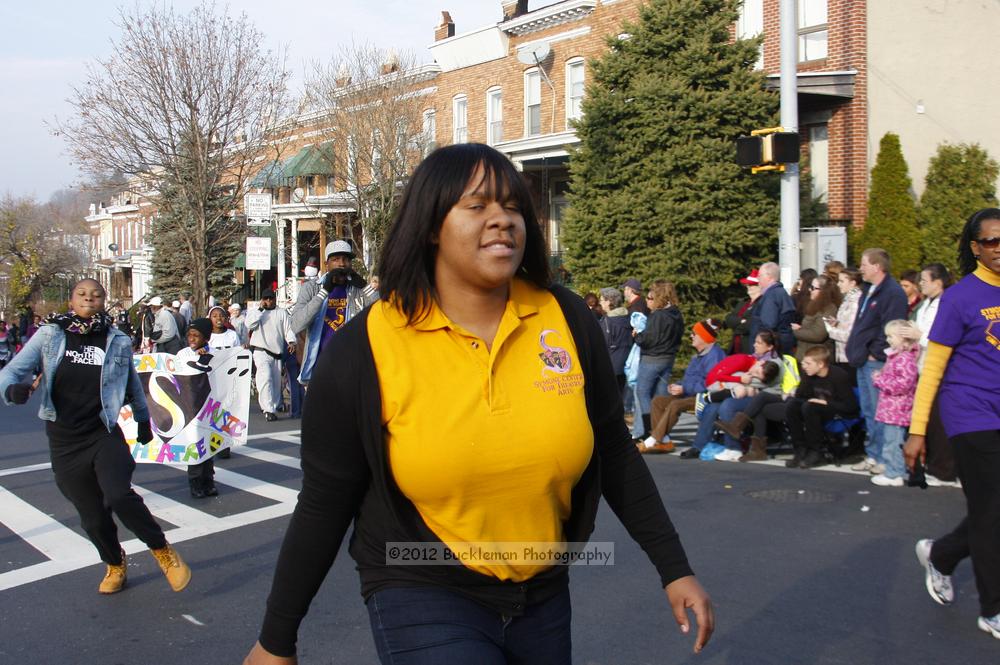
(346, 477)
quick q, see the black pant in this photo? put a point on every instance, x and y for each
(205, 471)
(805, 422)
(977, 460)
(95, 474)
(763, 407)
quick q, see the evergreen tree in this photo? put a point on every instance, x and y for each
(892, 213)
(960, 180)
(174, 231)
(655, 190)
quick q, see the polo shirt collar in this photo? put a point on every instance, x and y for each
(524, 301)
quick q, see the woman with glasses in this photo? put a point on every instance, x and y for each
(824, 298)
(962, 367)
(658, 345)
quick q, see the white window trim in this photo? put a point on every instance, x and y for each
(572, 62)
(528, 73)
(429, 127)
(490, 93)
(455, 102)
(805, 30)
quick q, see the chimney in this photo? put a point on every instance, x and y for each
(446, 29)
(513, 8)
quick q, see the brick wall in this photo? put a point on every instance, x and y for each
(508, 74)
(848, 127)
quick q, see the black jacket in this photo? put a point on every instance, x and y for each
(835, 388)
(618, 337)
(663, 334)
(877, 307)
(346, 478)
(774, 311)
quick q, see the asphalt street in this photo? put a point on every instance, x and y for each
(803, 566)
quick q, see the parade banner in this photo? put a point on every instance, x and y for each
(196, 407)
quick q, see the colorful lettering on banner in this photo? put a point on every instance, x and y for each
(196, 409)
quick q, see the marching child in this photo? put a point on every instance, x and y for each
(201, 477)
(896, 384)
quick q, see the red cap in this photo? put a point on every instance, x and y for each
(751, 278)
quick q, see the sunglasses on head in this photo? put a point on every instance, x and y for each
(989, 243)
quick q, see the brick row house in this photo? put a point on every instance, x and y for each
(120, 244)
(864, 68)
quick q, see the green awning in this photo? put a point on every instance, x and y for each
(311, 160)
(271, 176)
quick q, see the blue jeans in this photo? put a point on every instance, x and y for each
(893, 437)
(428, 626)
(654, 379)
(295, 389)
(868, 396)
(706, 425)
(727, 410)
(637, 426)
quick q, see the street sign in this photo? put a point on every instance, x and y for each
(258, 209)
(258, 253)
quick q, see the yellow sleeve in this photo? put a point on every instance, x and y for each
(930, 379)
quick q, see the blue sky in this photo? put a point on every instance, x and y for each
(47, 44)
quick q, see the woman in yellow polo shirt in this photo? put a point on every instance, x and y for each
(477, 423)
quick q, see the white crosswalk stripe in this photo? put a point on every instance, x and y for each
(66, 550)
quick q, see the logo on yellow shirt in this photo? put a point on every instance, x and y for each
(554, 358)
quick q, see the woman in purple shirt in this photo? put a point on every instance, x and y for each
(962, 366)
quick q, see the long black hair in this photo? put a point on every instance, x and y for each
(406, 266)
(966, 259)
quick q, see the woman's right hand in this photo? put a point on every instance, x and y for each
(914, 450)
(261, 656)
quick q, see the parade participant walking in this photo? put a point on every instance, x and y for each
(165, 333)
(882, 301)
(270, 332)
(962, 366)
(87, 376)
(325, 304)
(201, 477)
(529, 439)
(238, 323)
(222, 334)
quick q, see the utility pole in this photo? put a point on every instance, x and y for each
(788, 243)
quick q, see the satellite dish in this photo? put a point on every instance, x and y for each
(298, 195)
(535, 54)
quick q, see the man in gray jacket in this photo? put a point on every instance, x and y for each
(327, 303)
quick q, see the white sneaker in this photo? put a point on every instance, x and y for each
(990, 625)
(864, 465)
(649, 442)
(883, 480)
(938, 585)
(729, 455)
(877, 469)
(937, 482)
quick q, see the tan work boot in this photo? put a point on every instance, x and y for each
(758, 450)
(115, 578)
(178, 573)
(734, 427)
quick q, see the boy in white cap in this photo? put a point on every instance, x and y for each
(328, 302)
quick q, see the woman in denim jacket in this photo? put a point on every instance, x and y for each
(87, 376)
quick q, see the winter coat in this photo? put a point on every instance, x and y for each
(813, 332)
(846, 314)
(662, 337)
(897, 384)
(775, 311)
(618, 336)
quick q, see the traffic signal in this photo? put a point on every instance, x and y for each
(768, 148)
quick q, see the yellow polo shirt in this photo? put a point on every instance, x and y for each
(486, 443)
